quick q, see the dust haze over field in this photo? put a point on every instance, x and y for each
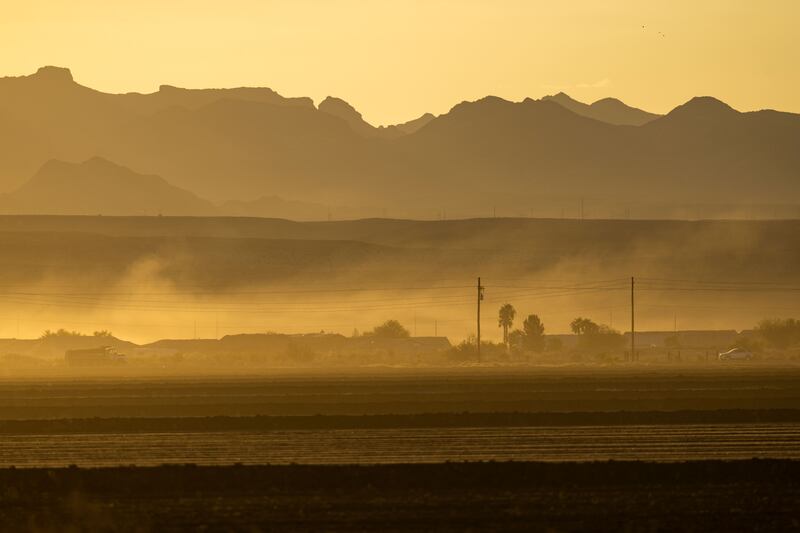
(196, 278)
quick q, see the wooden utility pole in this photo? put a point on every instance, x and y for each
(480, 299)
(633, 329)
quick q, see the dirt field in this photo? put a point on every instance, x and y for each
(667, 443)
(388, 391)
(699, 496)
(400, 417)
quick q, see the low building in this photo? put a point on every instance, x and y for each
(102, 356)
(686, 338)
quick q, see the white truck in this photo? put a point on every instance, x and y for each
(736, 354)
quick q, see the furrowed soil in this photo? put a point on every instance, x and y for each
(388, 391)
(406, 450)
(752, 495)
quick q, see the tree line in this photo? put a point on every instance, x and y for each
(531, 338)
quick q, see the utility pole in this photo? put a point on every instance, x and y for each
(581, 208)
(480, 298)
(633, 329)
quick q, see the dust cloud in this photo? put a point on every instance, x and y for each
(157, 295)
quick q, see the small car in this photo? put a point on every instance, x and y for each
(736, 354)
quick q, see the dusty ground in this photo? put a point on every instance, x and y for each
(617, 496)
(699, 496)
(84, 426)
(395, 391)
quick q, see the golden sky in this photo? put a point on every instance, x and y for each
(394, 60)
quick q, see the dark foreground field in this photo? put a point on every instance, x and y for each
(623, 496)
(684, 417)
(398, 391)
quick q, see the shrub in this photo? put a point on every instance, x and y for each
(391, 329)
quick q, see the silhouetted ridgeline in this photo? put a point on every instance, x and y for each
(608, 110)
(544, 155)
(100, 187)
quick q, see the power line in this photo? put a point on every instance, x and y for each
(236, 293)
(373, 298)
(723, 282)
(105, 294)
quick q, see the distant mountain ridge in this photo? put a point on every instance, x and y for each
(99, 187)
(609, 110)
(339, 108)
(252, 143)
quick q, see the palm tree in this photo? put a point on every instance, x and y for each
(506, 320)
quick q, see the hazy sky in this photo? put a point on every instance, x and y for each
(396, 59)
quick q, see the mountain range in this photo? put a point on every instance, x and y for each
(608, 110)
(100, 187)
(213, 146)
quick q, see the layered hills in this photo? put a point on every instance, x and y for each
(249, 143)
(609, 110)
(98, 186)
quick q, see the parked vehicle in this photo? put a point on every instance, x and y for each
(736, 354)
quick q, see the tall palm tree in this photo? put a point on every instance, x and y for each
(506, 320)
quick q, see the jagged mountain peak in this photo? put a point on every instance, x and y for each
(339, 107)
